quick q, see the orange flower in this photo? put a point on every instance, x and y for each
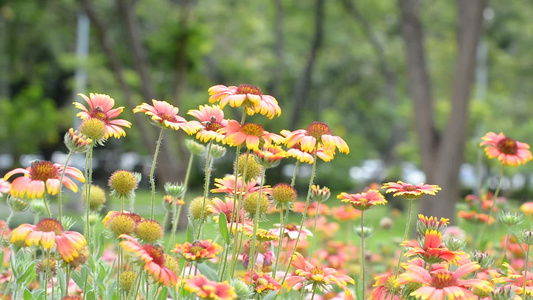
(42, 174)
(410, 191)
(227, 185)
(207, 289)
(101, 108)
(429, 247)
(345, 213)
(527, 208)
(153, 259)
(248, 95)
(384, 287)
(316, 135)
(509, 151)
(198, 250)
(363, 201)
(249, 134)
(443, 284)
(165, 115)
(5, 186)
(308, 274)
(473, 216)
(516, 280)
(305, 156)
(47, 234)
(212, 119)
(270, 156)
(262, 282)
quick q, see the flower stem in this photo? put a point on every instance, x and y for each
(254, 231)
(495, 197)
(363, 286)
(304, 216)
(6, 224)
(88, 175)
(281, 234)
(61, 186)
(314, 238)
(525, 271)
(206, 187)
(152, 170)
(296, 165)
(405, 236)
(46, 205)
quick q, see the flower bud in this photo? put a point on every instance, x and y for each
(367, 231)
(76, 141)
(123, 183)
(250, 203)
(17, 204)
(510, 219)
(126, 280)
(197, 206)
(97, 197)
(248, 165)
(37, 206)
(149, 230)
(454, 244)
(484, 260)
(194, 147)
(176, 190)
(217, 151)
(320, 194)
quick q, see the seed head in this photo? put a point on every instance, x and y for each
(149, 230)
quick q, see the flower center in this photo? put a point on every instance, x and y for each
(196, 248)
(442, 279)
(248, 89)
(252, 129)
(317, 129)
(156, 254)
(410, 188)
(212, 125)
(43, 170)
(262, 281)
(167, 117)
(507, 146)
(317, 271)
(50, 225)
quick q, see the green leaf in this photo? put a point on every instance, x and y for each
(208, 272)
(271, 295)
(190, 232)
(223, 227)
(28, 295)
(101, 246)
(28, 275)
(90, 296)
(163, 294)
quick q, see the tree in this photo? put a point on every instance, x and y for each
(442, 152)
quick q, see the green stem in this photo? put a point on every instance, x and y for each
(304, 216)
(281, 234)
(405, 236)
(296, 165)
(363, 285)
(176, 212)
(46, 205)
(314, 238)
(314, 292)
(88, 173)
(136, 284)
(525, 271)
(206, 187)
(61, 186)
(495, 197)
(152, 170)
(6, 224)
(251, 265)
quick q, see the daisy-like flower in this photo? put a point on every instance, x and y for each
(509, 151)
(323, 210)
(47, 234)
(245, 95)
(431, 223)
(249, 134)
(5, 186)
(207, 289)
(291, 231)
(101, 108)
(336, 254)
(198, 250)
(384, 287)
(212, 119)
(516, 280)
(165, 115)
(152, 258)
(309, 274)
(363, 201)
(527, 208)
(262, 282)
(345, 213)
(410, 191)
(270, 156)
(431, 250)
(316, 135)
(474, 216)
(443, 284)
(305, 156)
(227, 207)
(42, 176)
(227, 185)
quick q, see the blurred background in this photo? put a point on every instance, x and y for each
(411, 86)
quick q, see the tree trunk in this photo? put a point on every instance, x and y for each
(442, 158)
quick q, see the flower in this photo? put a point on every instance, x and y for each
(211, 119)
(306, 273)
(509, 151)
(165, 115)
(383, 287)
(473, 216)
(5, 230)
(516, 280)
(207, 289)
(248, 95)
(101, 108)
(249, 134)
(527, 208)
(317, 134)
(320, 194)
(409, 191)
(47, 234)
(76, 141)
(442, 283)
(432, 223)
(227, 208)
(291, 231)
(123, 183)
(4, 187)
(262, 282)
(149, 230)
(305, 156)
(42, 174)
(152, 257)
(270, 156)
(429, 247)
(227, 185)
(198, 250)
(363, 201)
(345, 213)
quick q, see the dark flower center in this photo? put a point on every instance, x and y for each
(248, 89)
(212, 125)
(442, 279)
(50, 225)
(507, 146)
(252, 129)
(99, 113)
(43, 170)
(410, 188)
(156, 254)
(317, 271)
(167, 117)
(318, 129)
